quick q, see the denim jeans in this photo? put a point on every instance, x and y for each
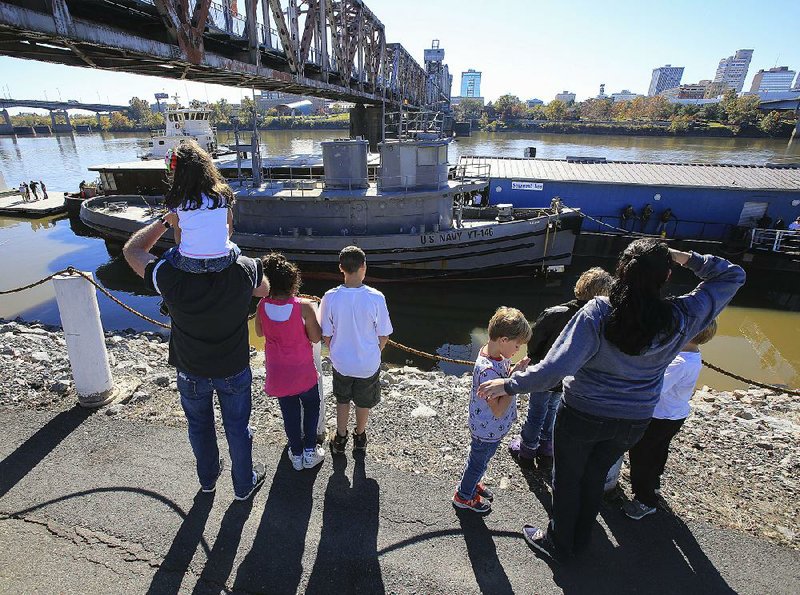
(201, 265)
(480, 453)
(585, 448)
(541, 418)
(197, 400)
(305, 406)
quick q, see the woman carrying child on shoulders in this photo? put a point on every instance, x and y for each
(289, 326)
(200, 204)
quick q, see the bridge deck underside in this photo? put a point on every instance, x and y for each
(29, 34)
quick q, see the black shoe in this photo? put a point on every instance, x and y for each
(210, 489)
(360, 441)
(338, 443)
(259, 475)
(539, 541)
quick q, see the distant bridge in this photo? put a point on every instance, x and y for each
(6, 103)
(327, 48)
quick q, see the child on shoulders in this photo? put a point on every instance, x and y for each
(289, 327)
(200, 204)
(491, 419)
(355, 327)
(648, 457)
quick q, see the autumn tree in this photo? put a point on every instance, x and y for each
(771, 123)
(556, 110)
(509, 106)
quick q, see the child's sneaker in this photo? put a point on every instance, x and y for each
(545, 449)
(297, 460)
(524, 456)
(484, 492)
(338, 443)
(313, 457)
(637, 510)
(360, 440)
(476, 504)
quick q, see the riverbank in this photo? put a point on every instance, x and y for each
(712, 130)
(735, 464)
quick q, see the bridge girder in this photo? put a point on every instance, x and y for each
(327, 48)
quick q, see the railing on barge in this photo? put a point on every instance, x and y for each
(782, 241)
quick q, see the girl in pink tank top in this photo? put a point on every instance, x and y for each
(289, 326)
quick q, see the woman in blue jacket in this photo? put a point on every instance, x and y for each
(612, 356)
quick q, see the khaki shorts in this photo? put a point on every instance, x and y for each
(364, 392)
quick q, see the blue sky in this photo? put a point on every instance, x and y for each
(533, 48)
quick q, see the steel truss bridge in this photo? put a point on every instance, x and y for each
(326, 48)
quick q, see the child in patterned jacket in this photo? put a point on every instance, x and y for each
(490, 421)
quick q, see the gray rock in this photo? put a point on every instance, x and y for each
(423, 411)
(114, 340)
(60, 387)
(114, 409)
(744, 414)
(162, 380)
(140, 396)
(10, 351)
(41, 356)
(142, 368)
(765, 445)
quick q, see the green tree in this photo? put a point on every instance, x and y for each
(221, 112)
(743, 111)
(596, 109)
(771, 123)
(556, 110)
(139, 111)
(509, 106)
(120, 121)
(468, 109)
(658, 108)
(680, 123)
(247, 111)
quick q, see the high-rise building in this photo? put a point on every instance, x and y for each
(774, 79)
(732, 70)
(471, 83)
(797, 83)
(665, 77)
(566, 97)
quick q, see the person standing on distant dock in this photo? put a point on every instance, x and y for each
(23, 191)
(44, 190)
(34, 185)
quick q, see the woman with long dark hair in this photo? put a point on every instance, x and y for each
(612, 356)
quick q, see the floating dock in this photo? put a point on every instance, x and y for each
(13, 205)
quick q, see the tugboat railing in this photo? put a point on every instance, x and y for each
(775, 240)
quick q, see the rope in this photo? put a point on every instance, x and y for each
(431, 356)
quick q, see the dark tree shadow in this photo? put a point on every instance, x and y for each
(31, 452)
(222, 556)
(489, 572)
(170, 573)
(274, 563)
(347, 555)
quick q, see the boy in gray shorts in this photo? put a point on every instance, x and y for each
(355, 327)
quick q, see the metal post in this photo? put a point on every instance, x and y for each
(86, 347)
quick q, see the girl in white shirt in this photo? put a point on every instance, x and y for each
(200, 205)
(648, 457)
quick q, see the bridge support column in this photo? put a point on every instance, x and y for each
(7, 127)
(367, 122)
(53, 119)
(6, 117)
(99, 121)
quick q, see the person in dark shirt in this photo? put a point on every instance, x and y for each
(209, 346)
(644, 218)
(662, 222)
(628, 215)
(536, 438)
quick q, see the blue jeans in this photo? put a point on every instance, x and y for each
(197, 400)
(480, 453)
(201, 265)
(585, 448)
(305, 406)
(538, 426)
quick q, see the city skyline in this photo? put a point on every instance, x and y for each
(532, 51)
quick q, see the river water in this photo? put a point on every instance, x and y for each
(756, 338)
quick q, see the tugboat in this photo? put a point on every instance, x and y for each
(408, 219)
(180, 124)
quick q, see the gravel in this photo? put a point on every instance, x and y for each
(735, 463)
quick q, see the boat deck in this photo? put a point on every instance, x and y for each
(14, 205)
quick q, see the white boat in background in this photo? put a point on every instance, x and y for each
(182, 124)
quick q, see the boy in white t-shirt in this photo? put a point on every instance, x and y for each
(355, 327)
(648, 457)
(200, 203)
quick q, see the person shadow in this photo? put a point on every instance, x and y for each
(482, 551)
(347, 555)
(658, 554)
(274, 563)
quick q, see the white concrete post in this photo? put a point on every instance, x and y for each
(86, 346)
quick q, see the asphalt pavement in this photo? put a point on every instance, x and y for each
(94, 504)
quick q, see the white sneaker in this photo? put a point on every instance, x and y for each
(313, 456)
(297, 460)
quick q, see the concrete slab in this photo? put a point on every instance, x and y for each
(14, 205)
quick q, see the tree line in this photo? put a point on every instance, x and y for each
(738, 114)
